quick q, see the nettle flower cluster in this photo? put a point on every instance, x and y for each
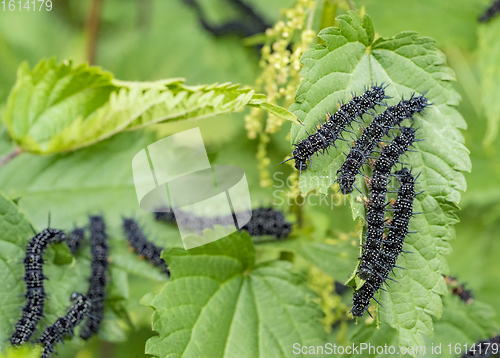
(280, 76)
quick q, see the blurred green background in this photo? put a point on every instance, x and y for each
(154, 39)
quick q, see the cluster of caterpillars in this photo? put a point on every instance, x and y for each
(384, 237)
(265, 221)
(85, 308)
(88, 310)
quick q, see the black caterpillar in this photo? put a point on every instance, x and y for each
(392, 246)
(142, 246)
(327, 134)
(250, 23)
(340, 288)
(458, 289)
(167, 217)
(192, 221)
(33, 276)
(264, 221)
(372, 135)
(492, 11)
(376, 207)
(485, 349)
(97, 282)
(65, 325)
(75, 239)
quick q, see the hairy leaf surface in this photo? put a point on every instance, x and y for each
(59, 107)
(463, 324)
(65, 273)
(219, 304)
(349, 61)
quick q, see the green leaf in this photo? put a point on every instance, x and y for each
(180, 102)
(91, 180)
(219, 304)
(278, 111)
(55, 108)
(409, 64)
(463, 324)
(460, 324)
(16, 232)
(66, 275)
(25, 351)
(489, 57)
(62, 254)
(51, 97)
(369, 334)
(334, 258)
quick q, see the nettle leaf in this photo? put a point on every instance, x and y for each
(347, 63)
(16, 233)
(334, 258)
(459, 325)
(463, 324)
(93, 180)
(178, 102)
(24, 351)
(219, 304)
(489, 57)
(370, 335)
(46, 100)
(60, 107)
(66, 275)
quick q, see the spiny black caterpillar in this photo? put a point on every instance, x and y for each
(328, 132)
(392, 245)
(372, 135)
(248, 24)
(97, 281)
(491, 12)
(75, 239)
(458, 289)
(267, 221)
(264, 221)
(33, 276)
(376, 206)
(142, 246)
(485, 349)
(65, 325)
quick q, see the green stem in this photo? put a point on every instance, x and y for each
(351, 5)
(310, 17)
(8, 157)
(328, 14)
(93, 30)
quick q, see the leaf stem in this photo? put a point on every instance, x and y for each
(8, 157)
(310, 17)
(93, 29)
(351, 4)
(328, 15)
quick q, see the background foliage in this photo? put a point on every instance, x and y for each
(136, 42)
